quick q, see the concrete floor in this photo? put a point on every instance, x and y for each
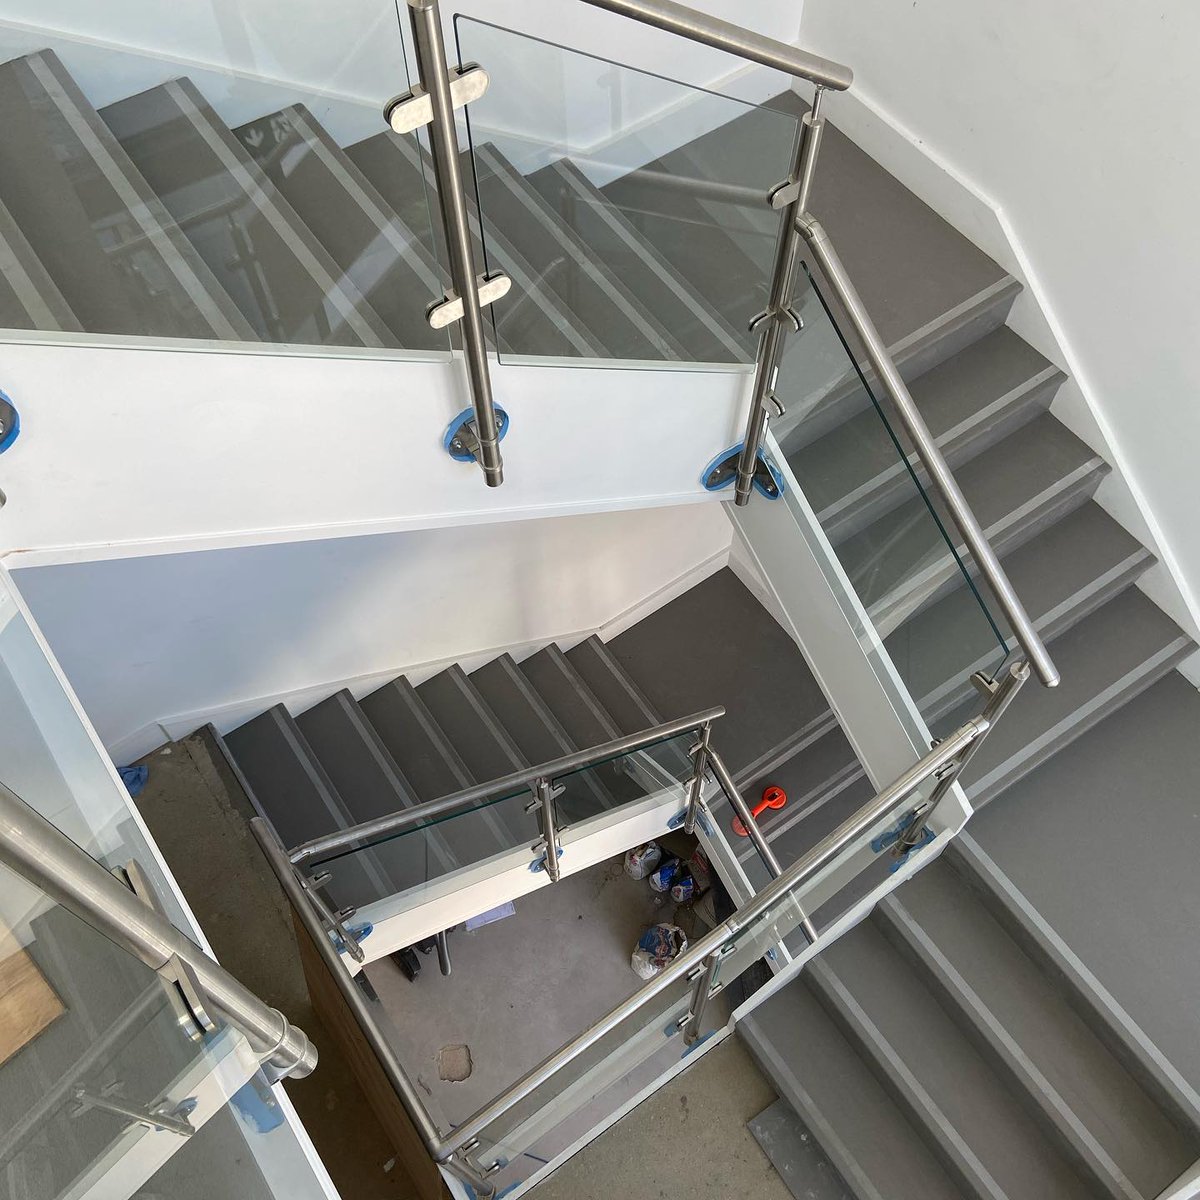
(188, 804)
(687, 1140)
(523, 986)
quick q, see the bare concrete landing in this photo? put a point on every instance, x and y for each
(687, 1140)
(191, 807)
(520, 987)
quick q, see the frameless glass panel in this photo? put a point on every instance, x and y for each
(101, 1081)
(870, 494)
(52, 760)
(629, 210)
(664, 768)
(205, 185)
(627, 1059)
(411, 860)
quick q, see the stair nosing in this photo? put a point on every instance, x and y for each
(1109, 1020)
(1002, 1048)
(926, 1115)
(1026, 394)
(1050, 625)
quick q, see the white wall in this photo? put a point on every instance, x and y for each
(1077, 122)
(221, 635)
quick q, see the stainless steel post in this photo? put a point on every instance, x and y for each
(35, 849)
(738, 803)
(432, 69)
(701, 994)
(927, 450)
(778, 314)
(696, 787)
(1003, 694)
(543, 794)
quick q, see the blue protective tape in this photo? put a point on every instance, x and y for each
(358, 932)
(733, 452)
(14, 424)
(467, 415)
(889, 837)
(927, 836)
(539, 864)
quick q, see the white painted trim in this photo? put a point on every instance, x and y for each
(982, 219)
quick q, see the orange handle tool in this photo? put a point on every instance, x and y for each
(773, 797)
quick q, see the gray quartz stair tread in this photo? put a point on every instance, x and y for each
(380, 254)
(854, 474)
(613, 687)
(112, 249)
(596, 296)
(701, 331)
(824, 784)
(859, 1126)
(1065, 907)
(532, 319)
(484, 744)
(534, 726)
(626, 703)
(716, 645)
(290, 290)
(905, 281)
(1036, 475)
(984, 1136)
(584, 718)
(371, 785)
(424, 753)
(294, 792)
(1064, 573)
(1018, 1014)
(1105, 660)
(419, 748)
(29, 298)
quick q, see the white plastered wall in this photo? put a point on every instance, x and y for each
(1061, 138)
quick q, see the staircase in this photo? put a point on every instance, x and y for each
(936, 1050)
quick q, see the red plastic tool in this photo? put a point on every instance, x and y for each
(773, 797)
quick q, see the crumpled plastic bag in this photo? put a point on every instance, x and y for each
(657, 948)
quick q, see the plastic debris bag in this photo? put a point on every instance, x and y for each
(641, 860)
(665, 875)
(657, 948)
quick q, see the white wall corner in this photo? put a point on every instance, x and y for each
(228, 716)
(979, 217)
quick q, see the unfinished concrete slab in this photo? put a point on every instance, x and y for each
(688, 1139)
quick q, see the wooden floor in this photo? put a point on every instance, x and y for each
(28, 1004)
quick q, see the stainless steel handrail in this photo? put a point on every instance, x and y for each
(724, 35)
(944, 754)
(45, 856)
(926, 447)
(525, 779)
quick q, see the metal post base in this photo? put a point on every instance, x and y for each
(461, 441)
(722, 473)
